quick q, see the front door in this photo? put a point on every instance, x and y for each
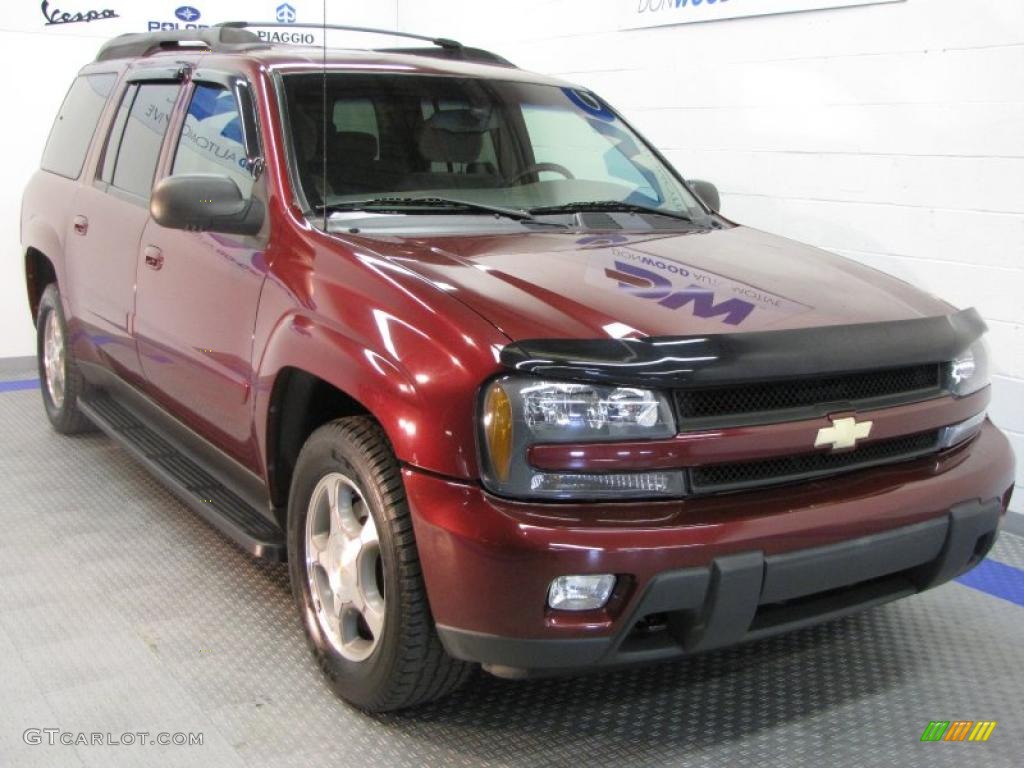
(198, 292)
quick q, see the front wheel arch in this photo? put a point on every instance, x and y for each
(300, 403)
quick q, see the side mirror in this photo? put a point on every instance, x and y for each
(205, 203)
(707, 192)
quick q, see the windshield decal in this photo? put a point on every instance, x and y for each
(588, 103)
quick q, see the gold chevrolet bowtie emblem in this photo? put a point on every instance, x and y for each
(843, 434)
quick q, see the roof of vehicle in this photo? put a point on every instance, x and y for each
(442, 57)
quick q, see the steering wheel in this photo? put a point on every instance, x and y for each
(537, 168)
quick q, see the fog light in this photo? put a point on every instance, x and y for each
(581, 593)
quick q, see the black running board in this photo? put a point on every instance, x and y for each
(221, 507)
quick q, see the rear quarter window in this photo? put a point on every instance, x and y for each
(75, 125)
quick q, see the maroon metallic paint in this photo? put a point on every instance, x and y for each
(488, 562)
(409, 327)
(367, 315)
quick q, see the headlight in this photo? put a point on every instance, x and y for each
(520, 411)
(969, 372)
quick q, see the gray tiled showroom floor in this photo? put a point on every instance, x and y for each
(122, 611)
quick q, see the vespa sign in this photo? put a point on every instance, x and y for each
(657, 13)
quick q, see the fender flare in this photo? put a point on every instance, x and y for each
(430, 427)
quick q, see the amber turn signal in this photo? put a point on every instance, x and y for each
(498, 431)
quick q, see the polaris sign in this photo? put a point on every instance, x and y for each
(187, 18)
(657, 13)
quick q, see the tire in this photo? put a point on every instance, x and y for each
(59, 378)
(387, 655)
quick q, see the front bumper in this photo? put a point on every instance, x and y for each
(703, 573)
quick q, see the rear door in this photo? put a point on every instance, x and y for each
(109, 215)
(198, 292)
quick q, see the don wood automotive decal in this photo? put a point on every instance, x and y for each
(679, 287)
(657, 13)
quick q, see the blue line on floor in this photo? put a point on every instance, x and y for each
(995, 578)
(18, 385)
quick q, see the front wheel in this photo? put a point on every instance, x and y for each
(356, 576)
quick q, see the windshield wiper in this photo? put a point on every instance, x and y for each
(604, 206)
(407, 204)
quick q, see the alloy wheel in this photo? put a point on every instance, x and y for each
(53, 359)
(344, 567)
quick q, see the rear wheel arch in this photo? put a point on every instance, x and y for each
(39, 273)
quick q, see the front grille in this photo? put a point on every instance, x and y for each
(858, 390)
(731, 477)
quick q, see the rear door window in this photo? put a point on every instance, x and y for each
(76, 123)
(138, 147)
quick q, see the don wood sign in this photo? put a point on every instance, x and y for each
(657, 13)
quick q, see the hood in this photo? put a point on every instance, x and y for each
(565, 285)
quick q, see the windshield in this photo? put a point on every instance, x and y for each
(516, 145)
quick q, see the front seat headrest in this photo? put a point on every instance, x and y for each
(455, 135)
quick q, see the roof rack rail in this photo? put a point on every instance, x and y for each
(462, 54)
(449, 49)
(218, 39)
(442, 42)
(234, 37)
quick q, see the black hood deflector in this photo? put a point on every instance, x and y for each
(734, 358)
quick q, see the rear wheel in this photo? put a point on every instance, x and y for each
(59, 378)
(356, 575)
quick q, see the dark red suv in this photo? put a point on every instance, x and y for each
(503, 388)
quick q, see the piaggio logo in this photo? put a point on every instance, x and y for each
(958, 730)
(286, 14)
(646, 284)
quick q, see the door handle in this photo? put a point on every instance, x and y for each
(154, 257)
(81, 225)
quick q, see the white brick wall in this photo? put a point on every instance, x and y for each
(893, 134)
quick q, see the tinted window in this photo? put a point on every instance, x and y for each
(116, 133)
(211, 139)
(518, 145)
(143, 134)
(76, 123)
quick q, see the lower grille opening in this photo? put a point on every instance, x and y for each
(981, 548)
(794, 611)
(649, 634)
(728, 477)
